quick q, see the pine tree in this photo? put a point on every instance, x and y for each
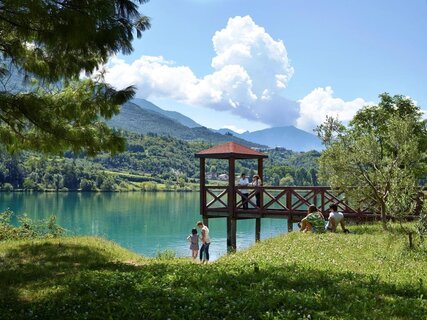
(45, 45)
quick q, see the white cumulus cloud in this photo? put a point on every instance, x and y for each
(250, 69)
(320, 103)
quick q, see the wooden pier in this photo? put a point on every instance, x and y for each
(289, 203)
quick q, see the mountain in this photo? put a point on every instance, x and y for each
(142, 116)
(184, 120)
(226, 131)
(287, 137)
(141, 120)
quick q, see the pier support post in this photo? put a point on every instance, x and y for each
(290, 225)
(203, 209)
(231, 234)
(257, 229)
(261, 176)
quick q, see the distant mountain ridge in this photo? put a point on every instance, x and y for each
(142, 116)
(184, 120)
(135, 118)
(287, 137)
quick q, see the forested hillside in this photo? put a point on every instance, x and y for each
(182, 119)
(150, 162)
(143, 121)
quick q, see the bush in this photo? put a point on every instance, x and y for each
(167, 254)
(123, 186)
(29, 184)
(108, 184)
(7, 187)
(421, 225)
(87, 185)
(149, 186)
(27, 228)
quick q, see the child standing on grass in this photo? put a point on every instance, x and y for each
(194, 243)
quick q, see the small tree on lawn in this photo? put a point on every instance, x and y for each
(378, 160)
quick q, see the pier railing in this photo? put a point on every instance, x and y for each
(276, 202)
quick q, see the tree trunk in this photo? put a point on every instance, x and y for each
(383, 216)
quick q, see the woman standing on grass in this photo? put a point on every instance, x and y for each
(204, 250)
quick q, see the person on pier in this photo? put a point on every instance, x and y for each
(244, 182)
(314, 221)
(256, 182)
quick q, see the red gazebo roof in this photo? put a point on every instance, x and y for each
(230, 150)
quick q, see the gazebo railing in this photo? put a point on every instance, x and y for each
(218, 197)
(279, 200)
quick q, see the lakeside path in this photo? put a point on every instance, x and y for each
(368, 274)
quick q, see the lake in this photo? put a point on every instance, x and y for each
(144, 222)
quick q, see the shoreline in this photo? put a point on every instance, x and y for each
(90, 191)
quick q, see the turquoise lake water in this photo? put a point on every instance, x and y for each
(143, 222)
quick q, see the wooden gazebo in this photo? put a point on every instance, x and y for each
(283, 202)
(230, 151)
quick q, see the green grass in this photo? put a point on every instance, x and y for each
(368, 274)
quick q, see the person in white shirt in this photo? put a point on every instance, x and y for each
(244, 182)
(256, 182)
(206, 241)
(335, 217)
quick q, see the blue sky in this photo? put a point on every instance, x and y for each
(252, 64)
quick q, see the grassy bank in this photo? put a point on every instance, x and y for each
(368, 274)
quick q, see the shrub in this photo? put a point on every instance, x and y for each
(87, 185)
(167, 254)
(421, 225)
(27, 228)
(7, 187)
(29, 184)
(108, 184)
(149, 186)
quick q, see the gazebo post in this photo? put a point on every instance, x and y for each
(290, 225)
(261, 198)
(257, 229)
(261, 176)
(231, 219)
(203, 190)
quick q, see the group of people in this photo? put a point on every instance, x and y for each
(256, 182)
(194, 238)
(315, 221)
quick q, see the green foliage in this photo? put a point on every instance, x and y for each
(108, 184)
(27, 228)
(287, 181)
(330, 130)
(164, 157)
(131, 117)
(7, 187)
(166, 254)
(33, 172)
(380, 158)
(337, 277)
(44, 46)
(291, 168)
(421, 226)
(148, 158)
(87, 185)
